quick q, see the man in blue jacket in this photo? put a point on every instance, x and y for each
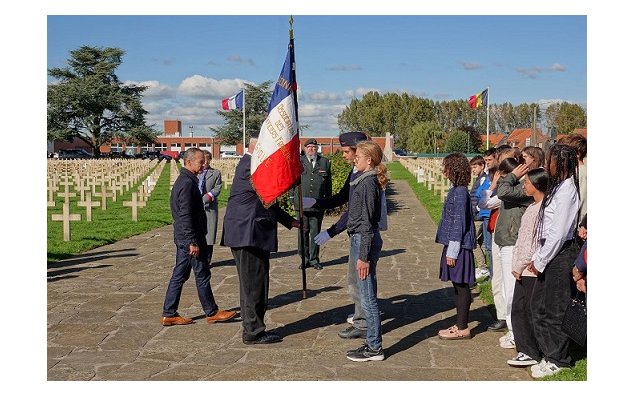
(190, 228)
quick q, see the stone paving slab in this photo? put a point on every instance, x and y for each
(104, 307)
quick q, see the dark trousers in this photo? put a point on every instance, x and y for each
(311, 249)
(462, 296)
(210, 252)
(252, 265)
(551, 295)
(521, 318)
(184, 265)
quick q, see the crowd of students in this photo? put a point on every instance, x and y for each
(527, 210)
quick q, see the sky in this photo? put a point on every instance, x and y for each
(190, 63)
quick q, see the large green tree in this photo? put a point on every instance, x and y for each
(457, 141)
(565, 117)
(90, 103)
(257, 103)
(376, 114)
(426, 137)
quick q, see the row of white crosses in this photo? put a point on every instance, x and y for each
(85, 177)
(145, 189)
(227, 168)
(428, 171)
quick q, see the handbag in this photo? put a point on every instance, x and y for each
(575, 321)
(493, 219)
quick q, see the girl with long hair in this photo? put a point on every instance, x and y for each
(553, 260)
(364, 214)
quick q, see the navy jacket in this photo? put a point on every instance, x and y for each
(190, 220)
(456, 223)
(247, 222)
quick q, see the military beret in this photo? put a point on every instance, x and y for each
(310, 141)
(352, 138)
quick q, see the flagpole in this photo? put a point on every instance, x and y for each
(244, 124)
(302, 242)
(488, 101)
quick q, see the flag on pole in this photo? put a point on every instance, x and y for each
(275, 163)
(234, 102)
(480, 99)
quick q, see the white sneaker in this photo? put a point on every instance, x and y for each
(507, 336)
(509, 341)
(521, 360)
(538, 366)
(545, 370)
(482, 273)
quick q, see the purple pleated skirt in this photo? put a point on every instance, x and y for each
(464, 270)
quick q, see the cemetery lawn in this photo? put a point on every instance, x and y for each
(433, 205)
(113, 224)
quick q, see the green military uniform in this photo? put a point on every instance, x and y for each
(316, 183)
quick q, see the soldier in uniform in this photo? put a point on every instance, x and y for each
(316, 183)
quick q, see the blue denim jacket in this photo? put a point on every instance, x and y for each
(456, 223)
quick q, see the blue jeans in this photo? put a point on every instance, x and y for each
(367, 288)
(486, 235)
(184, 265)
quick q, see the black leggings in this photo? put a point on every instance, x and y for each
(462, 295)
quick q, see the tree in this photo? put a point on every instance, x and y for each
(90, 103)
(425, 137)
(457, 142)
(565, 117)
(256, 108)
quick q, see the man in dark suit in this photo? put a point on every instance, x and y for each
(316, 183)
(250, 230)
(190, 228)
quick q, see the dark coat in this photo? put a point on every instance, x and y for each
(316, 181)
(247, 222)
(456, 223)
(190, 221)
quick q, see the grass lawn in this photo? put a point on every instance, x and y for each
(433, 204)
(113, 224)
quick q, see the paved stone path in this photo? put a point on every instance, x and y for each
(104, 308)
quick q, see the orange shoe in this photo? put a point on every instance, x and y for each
(175, 320)
(221, 316)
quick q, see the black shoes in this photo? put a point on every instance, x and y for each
(316, 266)
(266, 338)
(499, 325)
(365, 354)
(352, 332)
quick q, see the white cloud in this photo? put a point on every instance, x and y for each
(241, 60)
(155, 89)
(558, 67)
(359, 92)
(198, 85)
(469, 65)
(532, 72)
(323, 95)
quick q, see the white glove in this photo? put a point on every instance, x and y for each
(322, 237)
(308, 202)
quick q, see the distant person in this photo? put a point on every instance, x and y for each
(481, 216)
(456, 233)
(191, 247)
(316, 183)
(533, 157)
(357, 320)
(250, 230)
(210, 185)
(364, 214)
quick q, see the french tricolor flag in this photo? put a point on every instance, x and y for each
(234, 102)
(275, 163)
